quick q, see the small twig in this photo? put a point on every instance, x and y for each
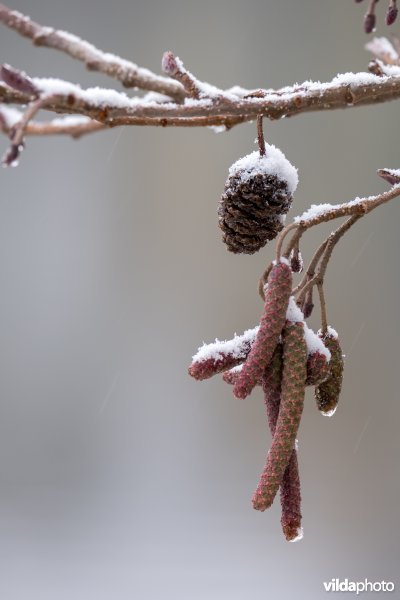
(260, 135)
(173, 66)
(311, 268)
(355, 210)
(127, 72)
(332, 240)
(58, 127)
(322, 302)
(295, 240)
(282, 236)
(263, 280)
(17, 132)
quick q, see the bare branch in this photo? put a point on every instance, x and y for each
(128, 73)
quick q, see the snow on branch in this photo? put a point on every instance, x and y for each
(177, 99)
(127, 72)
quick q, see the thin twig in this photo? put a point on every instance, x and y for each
(58, 127)
(322, 302)
(295, 240)
(331, 242)
(260, 135)
(354, 209)
(311, 268)
(281, 238)
(127, 72)
(173, 67)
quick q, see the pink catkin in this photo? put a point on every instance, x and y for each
(207, 368)
(271, 325)
(290, 485)
(290, 410)
(231, 377)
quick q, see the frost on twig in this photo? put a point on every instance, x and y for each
(127, 72)
(186, 101)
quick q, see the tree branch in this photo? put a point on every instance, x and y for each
(128, 73)
(180, 100)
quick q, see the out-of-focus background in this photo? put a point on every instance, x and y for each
(121, 477)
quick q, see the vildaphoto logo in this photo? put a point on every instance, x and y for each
(345, 585)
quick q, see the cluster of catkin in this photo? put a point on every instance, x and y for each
(283, 356)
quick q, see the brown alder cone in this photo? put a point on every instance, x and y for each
(250, 212)
(271, 325)
(290, 411)
(327, 393)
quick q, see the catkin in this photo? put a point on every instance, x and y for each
(271, 325)
(327, 393)
(290, 410)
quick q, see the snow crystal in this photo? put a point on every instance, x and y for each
(317, 210)
(314, 343)
(394, 172)
(96, 96)
(332, 332)
(236, 369)
(282, 219)
(389, 70)
(156, 97)
(293, 312)
(382, 46)
(70, 121)
(237, 90)
(299, 536)
(237, 347)
(283, 260)
(10, 115)
(356, 79)
(329, 413)
(217, 128)
(273, 163)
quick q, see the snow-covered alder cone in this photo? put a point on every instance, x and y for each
(258, 193)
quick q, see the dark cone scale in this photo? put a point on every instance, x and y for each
(250, 211)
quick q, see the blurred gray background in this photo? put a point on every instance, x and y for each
(121, 477)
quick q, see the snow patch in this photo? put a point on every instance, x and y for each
(315, 344)
(293, 313)
(273, 163)
(379, 46)
(329, 413)
(299, 536)
(10, 115)
(236, 347)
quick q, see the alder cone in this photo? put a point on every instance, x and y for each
(250, 211)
